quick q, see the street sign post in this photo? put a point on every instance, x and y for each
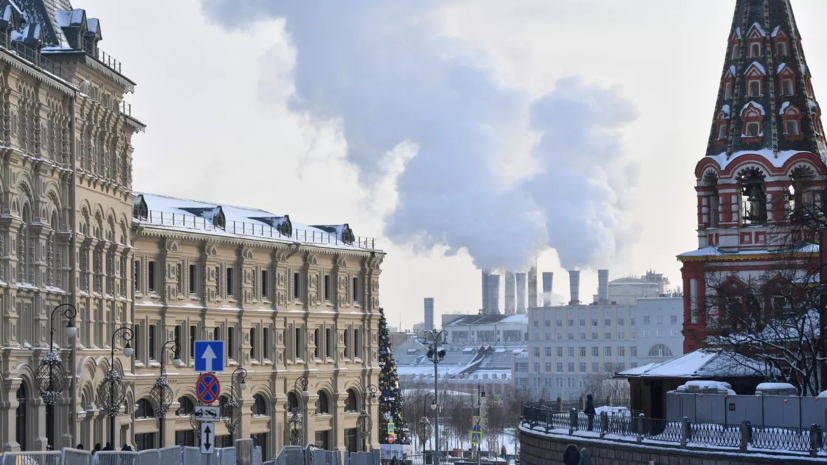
(209, 356)
(207, 438)
(207, 388)
(207, 413)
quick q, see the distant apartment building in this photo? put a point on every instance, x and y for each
(498, 330)
(568, 343)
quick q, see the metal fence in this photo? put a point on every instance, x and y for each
(244, 453)
(243, 228)
(685, 433)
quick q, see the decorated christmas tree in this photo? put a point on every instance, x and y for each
(390, 398)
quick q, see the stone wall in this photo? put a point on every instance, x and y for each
(539, 449)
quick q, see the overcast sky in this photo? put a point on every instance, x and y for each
(218, 91)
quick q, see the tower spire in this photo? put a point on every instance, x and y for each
(766, 104)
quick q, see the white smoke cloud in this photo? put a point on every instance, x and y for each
(383, 71)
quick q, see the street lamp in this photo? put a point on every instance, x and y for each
(296, 423)
(161, 394)
(232, 418)
(111, 391)
(364, 421)
(436, 355)
(51, 376)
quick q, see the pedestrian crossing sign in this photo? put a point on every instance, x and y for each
(476, 437)
(391, 428)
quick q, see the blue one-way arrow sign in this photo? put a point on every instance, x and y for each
(209, 356)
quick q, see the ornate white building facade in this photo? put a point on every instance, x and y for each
(290, 301)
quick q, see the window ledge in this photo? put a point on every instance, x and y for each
(789, 137)
(752, 139)
(232, 363)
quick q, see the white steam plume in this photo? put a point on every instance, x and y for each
(383, 71)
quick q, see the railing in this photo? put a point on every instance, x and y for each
(106, 59)
(548, 418)
(244, 453)
(243, 228)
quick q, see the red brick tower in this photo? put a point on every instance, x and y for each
(764, 157)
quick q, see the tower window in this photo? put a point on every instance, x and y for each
(754, 88)
(722, 132)
(782, 49)
(791, 128)
(755, 50)
(787, 87)
(728, 91)
(754, 198)
(753, 130)
(734, 50)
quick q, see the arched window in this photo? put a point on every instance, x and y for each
(352, 401)
(791, 115)
(713, 210)
(22, 242)
(144, 410)
(293, 402)
(186, 406)
(754, 198)
(20, 415)
(323, 404)
(787, 87)
(660, 350)
(259, 406)
(782, 49)
(754, 88)
(755, 50)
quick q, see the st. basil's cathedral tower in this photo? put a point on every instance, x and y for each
(763, 159)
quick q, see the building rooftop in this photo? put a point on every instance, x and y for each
(192, 216)
(488, 320)
(698, 364)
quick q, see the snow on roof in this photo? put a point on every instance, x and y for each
(778, 162)
(776, 31)
(757, 65)
(757, 105)
(784, 106)
(92, 24)
(726, 109)
(732, 70)
(718, 386)
(187, 215)
(780, 68)
(699, 364)
(759, 28)
(738, 32)
(803, 69)
(713, 251)
(774, 387)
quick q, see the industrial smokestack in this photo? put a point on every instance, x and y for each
(494, 294)
(486, 306)
(429, 313)
(603, 287)
(532, 287)
(574, 283)
(510, 293)
(521, 297)
(547, 280)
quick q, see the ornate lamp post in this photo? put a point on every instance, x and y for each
(295, 423)
(436, 355)
(161, 394)
(364, 421)
(51, 375)
(232, 410)
(111, 391)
